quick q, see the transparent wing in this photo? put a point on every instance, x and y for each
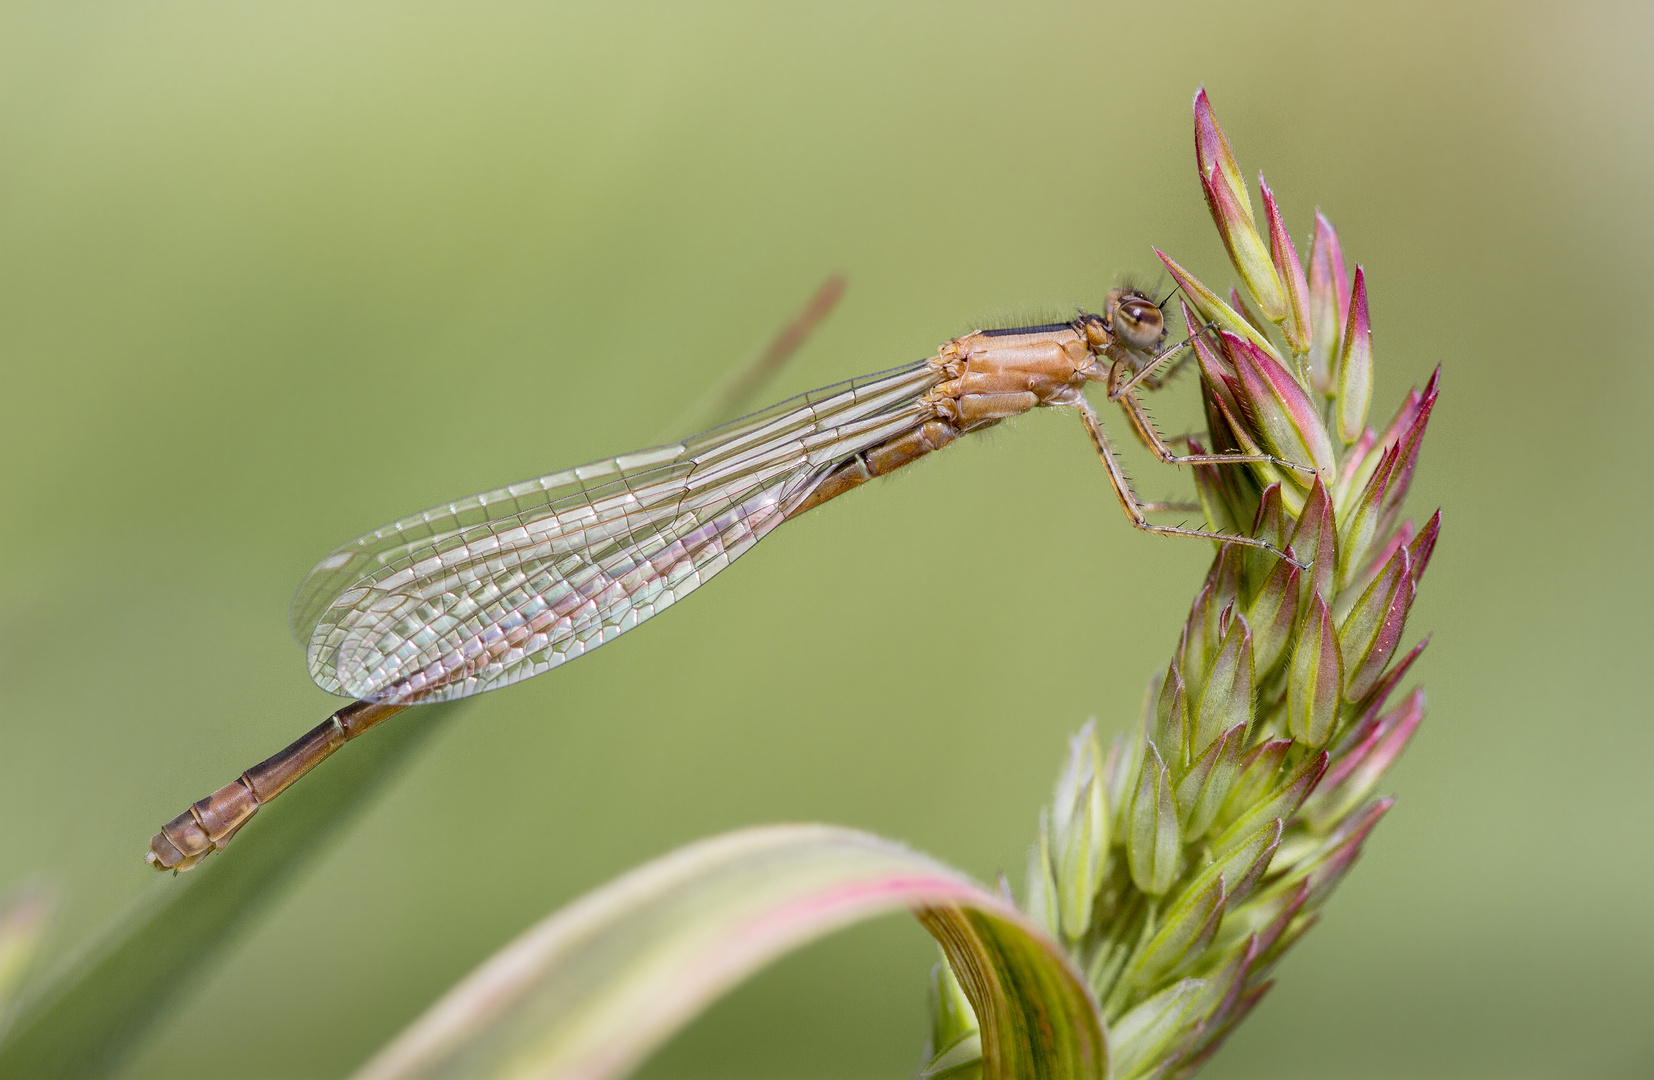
(486, 591)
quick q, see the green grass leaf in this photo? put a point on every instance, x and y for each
(82, 1022)
(592, 989)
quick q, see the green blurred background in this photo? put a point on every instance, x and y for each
(271, 275)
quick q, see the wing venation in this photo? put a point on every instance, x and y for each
(488, 590)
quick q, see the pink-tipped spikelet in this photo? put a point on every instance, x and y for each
(1177, 867)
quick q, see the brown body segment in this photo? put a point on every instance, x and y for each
(988, 376)
(210, 823)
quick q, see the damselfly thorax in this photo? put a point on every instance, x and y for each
(991, 375)
(485, 591)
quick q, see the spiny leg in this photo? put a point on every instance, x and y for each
(1134, 509)
(1146, 374)
(1143, 424)
(1185, 438)
(1155, 382)
(1151, 381)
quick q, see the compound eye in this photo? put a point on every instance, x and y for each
(1138, 323)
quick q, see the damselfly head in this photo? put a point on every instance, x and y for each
(1134, 319)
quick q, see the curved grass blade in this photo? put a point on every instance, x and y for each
(594, 988)
(85, 1020)
(726, 400)
(23, 920)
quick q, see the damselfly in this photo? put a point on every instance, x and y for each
(486, 591)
